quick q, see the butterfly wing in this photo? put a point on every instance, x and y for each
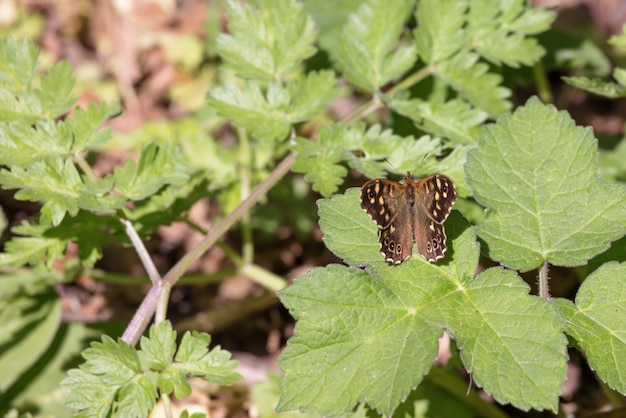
(384, 202)
(380, 198)
(435, 197)
(429, 236)
(396, 241)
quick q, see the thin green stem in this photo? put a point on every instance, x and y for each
(544, 288)
(148, 306)
(543, 86)
(409, 81)
(82, 163)
(264, 277)
(245, 164)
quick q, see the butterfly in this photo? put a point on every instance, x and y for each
(413, 211)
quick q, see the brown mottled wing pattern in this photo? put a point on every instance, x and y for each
(432, 207)
(410, 212)
(385, 202)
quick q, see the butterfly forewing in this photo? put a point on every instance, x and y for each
(437, 195)
(380, 199)
(413, 211)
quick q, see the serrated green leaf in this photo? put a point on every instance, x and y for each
(597, 86)
(595, 322)
(58, 185)
(32, 248)
(363, 51)
(454, 119)
(497, 327)
(88, 394)
(22, 143)
(264, 117)
(136, 398)
(85, 125)
(369, 335)
(115, 362)
(18, 63)
(156, 167)
(537, 174)
(157, 350)
(492, 28)
(195, 359)
(311, 95)
(267, 44)
(439, 33)
(56, 90)
(473, 81)
(320, 159)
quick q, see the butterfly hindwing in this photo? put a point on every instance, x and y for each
(410, 212)
(429, 236)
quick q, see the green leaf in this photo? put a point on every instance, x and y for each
(366, 52)
(33, 247)
(454, 119)
(18, 63)
(472, 80)
(193, 358)
(311, 95)
(439, 33)
(84, 125)
(569, 215)
(29, 321)
(56, 90)
(320, 160)
(114, 362)
(597, 86)
(156, 167)
(266, 44)
(498, 30)
(536, 172)
(595, 322)
(157, 350)
(369, 335)
(136, 399)
(23, 143)
(58, 185)
(263, 115)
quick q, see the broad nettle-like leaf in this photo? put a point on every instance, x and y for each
(537, 174)
(369, 335)
(267, 43)
(366, 52)
(595, 322)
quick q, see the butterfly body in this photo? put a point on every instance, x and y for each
(413, 211)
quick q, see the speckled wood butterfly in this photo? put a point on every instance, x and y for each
(408, 212)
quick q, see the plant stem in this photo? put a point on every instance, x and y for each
(544, 288)
(147, 308)
(543, 87)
